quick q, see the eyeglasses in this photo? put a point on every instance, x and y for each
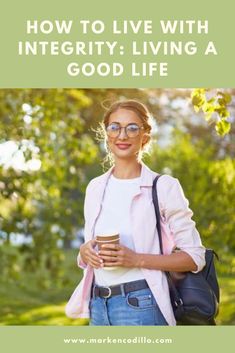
(131, 130)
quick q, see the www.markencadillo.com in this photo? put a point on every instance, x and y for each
(110, 340)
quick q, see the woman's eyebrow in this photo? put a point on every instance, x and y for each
(116, 122)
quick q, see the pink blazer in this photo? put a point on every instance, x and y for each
(178, 229)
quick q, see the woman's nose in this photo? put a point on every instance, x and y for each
(123, 134)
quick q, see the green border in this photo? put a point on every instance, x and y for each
(184, 339)
(183, 71)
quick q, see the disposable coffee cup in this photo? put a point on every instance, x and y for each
(109, 238)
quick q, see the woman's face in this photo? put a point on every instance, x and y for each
(122, 146)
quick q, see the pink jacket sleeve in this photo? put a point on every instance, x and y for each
(178, 215)
(80, 262)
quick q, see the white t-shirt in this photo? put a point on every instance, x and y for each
(115, 215)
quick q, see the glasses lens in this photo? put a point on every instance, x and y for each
(113, 130)
(132, 130)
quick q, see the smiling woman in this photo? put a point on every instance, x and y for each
(139, 125)
(134, 290)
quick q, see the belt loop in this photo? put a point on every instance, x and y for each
(123, 290)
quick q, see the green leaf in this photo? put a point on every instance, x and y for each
(207, 108)
(212, 100)
(222, 127)
(221, 101)
(198, 101)
(226, 97)
(208, 115)
(223, 112)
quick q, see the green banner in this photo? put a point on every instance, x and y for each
(117, 44)
(114, 339)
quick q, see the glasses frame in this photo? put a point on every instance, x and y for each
(125, 128)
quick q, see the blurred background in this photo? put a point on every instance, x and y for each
(48, 154)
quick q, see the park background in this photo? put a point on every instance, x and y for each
(48, 154)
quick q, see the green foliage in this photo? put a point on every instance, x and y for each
(208, 183)
(226, 314)
(27, 301)
(10, 262)
(47, 203)
(24, 302)
(215, 109)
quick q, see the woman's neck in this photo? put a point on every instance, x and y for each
(127, 169)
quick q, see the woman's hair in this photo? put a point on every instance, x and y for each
(141, 111)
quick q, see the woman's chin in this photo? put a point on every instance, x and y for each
(125, 155)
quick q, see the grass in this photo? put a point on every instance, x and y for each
(32, 300)
(226, 314)
(26, 306)
(26, 302)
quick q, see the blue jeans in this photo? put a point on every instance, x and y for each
(138, 308)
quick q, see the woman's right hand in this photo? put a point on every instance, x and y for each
(89, 255)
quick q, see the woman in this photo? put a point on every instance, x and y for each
(134, 291)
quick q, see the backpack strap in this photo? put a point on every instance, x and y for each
(157, 210)
(174, 292)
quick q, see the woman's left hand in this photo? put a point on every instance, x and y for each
(118, 255)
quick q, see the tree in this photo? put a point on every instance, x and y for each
(45, 202)
(208, 183)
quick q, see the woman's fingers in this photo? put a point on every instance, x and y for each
(110, 253)
(115, 247)
(93, 255)
(95, 264)
(93, 259)
(93, 243)
(109, 258)
(89, 255)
